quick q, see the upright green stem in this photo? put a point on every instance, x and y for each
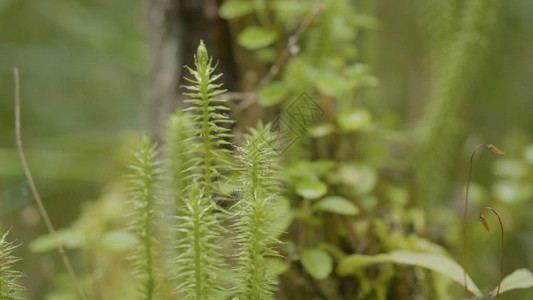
(207, 137)
(255, 216)
(148, 219)
(198, 257)
(197, 249)
(486, 225)
(143, 182)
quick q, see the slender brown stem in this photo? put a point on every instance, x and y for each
(465, 211)
(495, 150)
(35, 193)
(482, 219)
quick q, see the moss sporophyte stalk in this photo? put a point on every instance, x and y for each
(494, 150)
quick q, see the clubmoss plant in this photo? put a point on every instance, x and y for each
(178, 154)
(199, 259)
(9, 289)
(207, 114)
(177, 159)
(143, 178)
(197, 157)
(255, 215)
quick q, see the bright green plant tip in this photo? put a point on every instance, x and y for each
(201, 55)
(198, 259)
(317, 262)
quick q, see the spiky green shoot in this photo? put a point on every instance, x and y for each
(177, 159)
(9, 289)
(143, 178)
(177, 153)
(199, 261)
(255, 215)
(199, 258)
(209, 119)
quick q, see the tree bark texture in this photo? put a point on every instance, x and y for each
(175, 28)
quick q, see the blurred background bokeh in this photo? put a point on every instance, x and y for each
(91, 75)
(83, 71)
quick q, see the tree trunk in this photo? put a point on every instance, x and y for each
(176, 28)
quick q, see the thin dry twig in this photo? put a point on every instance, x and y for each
(35, 193)
(291, 48)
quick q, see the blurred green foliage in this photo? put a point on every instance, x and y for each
(405, 90)
(83, 73)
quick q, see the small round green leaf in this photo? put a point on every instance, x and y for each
(354, 120)
(235, 8)
(338, 205)
(311, 189)
(321, 130)
(272, 94)
(255, 37)
(317, 262)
